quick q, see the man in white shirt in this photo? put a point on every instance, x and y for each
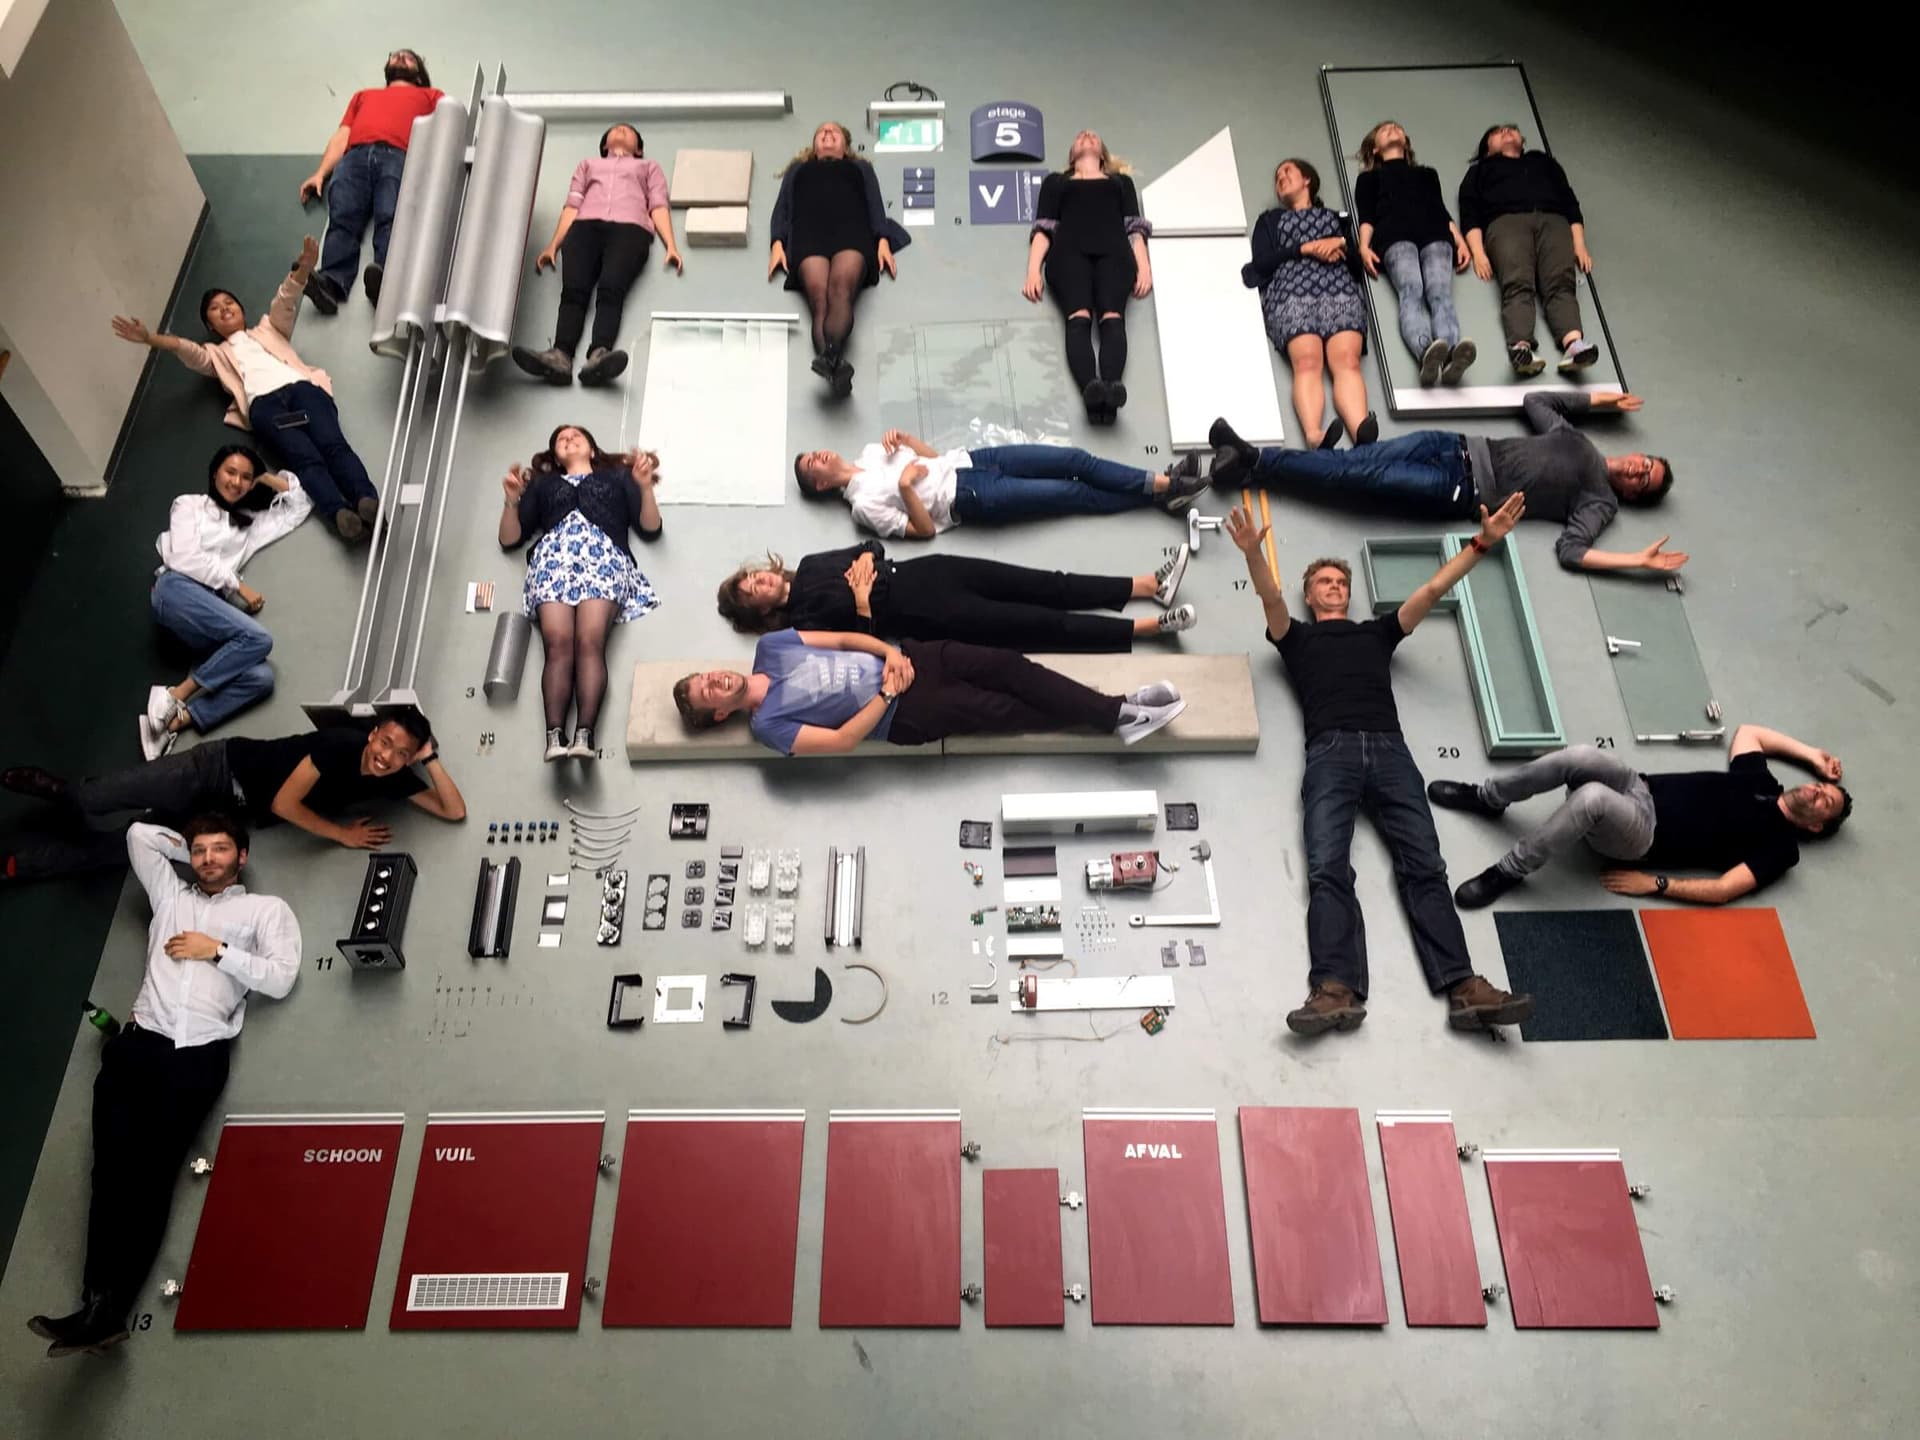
(904, 487)
(208, 945)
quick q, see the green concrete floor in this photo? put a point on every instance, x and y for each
(1747, 282)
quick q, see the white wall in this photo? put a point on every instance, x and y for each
(100, 206)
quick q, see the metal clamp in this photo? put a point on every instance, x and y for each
(1491, 1293)
(1075, 1293)
(1073, 1199)
(1664, 1294)
(744, 1020)
(1203, 852)
(971, 1292)
(172, 1289)
(607, 1162)
(590, 1287)
(201, 1165)
(970, 1150)
(1639, 1192)
(1466, 1150)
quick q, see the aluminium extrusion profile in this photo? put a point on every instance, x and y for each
(653, 104)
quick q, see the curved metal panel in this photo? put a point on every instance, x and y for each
(423, 224)
(484, 287)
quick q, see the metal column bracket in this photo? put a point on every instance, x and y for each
(447, 307)
(1203, 852)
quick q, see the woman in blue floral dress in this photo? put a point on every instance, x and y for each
(1307, 271)
(576, 503)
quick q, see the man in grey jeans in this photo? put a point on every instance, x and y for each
(1738, 821)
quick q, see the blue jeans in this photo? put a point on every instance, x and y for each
(317, 452)
(235, 672)
(1353, 770)
(364, 187)
(1028, 482)
(1422, 277)
(1425, 472)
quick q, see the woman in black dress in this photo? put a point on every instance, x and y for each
(952, 597)
(1305, 267)
(832, 236)
(1090, 243)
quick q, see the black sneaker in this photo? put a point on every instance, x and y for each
(374, 275)
(1485, 888)
(1525, 363)
(842, 382)
(320, 290)
(1185, 484)
(1094, 396)
(1116, 395)
(91, 1329)
(603, 366)
(1458, 795)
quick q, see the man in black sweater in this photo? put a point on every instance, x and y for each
(1357, 759)
(1739, 821)
(1524, 225)
(1444, 474)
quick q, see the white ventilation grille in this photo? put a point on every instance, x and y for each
(489, 1292)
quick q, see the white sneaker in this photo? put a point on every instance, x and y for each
(1183, 617)
(582, 747)
(556, 745)
(1138, 722)
(1167, 578)
(161, 706)
(1161, 692)
(155, 740)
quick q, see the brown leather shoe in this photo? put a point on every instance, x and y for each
(1330, 1006)
(1476, 1003)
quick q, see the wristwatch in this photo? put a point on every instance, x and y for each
(1660, 883)
(887, 695)
(220, 950)
(1480, 545)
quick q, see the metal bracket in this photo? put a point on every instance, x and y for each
(1196, 953)
(970, 1150)
(1203, 852)
(173, 1289)
(1491, 1293)
(590, 1287)
(607, 1162)
(1075, 1293)
(1169, 957)
(201, 1165)
(971, 1292)
(1664, 1294)
(993, 976)
(617, 1018)
(1466, 1150)
(1073, 1199)
(743, 1021)
(1639, 1192)
(692, 1013)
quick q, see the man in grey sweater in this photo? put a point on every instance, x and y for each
(1447, 475)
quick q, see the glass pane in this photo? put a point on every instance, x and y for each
(970, 384)
(1397, 566)
(1662, 681)
(1444, 111)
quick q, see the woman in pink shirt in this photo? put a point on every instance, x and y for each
(615, 206)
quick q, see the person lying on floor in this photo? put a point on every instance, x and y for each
(307, 780)
(903, 487)
(952, 597)
(210, 945)
(817, 692)
(1358, 760)
(615, 207)
(1738, 821)
(1447, 475)
(199, 597)
(276, 395)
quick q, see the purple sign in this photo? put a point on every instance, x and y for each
(1003, 197)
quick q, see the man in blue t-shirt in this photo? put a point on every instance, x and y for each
(1357, 760)
(1739, 821)
(821, 692)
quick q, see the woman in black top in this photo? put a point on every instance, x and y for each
(1090, 241)
(1525, 229)
(1404, 225)
(832, 236)
(1308, 277)
(582, 579)
(951, 597)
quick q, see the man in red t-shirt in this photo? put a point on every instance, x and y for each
(360, 173)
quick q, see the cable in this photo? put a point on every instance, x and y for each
(919, 91)
(1094, 1038)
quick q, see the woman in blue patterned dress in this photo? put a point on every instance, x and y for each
(1307, 271)
(576, 503)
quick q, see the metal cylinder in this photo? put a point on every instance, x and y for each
(489, 258)
(423, 223)
(512, 636)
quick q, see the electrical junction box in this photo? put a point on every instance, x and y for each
(381, 914)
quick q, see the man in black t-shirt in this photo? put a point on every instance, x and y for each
(1738, 821)
(1356, 759)
(305, 779)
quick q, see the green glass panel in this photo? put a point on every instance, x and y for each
(1662, 681)
(976, 383)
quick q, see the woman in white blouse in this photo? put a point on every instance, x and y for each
(199, 596)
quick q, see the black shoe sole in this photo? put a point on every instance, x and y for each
(529, 361)
(821, 366)
(1369, 430)
(1465, 898)
(1469, 804)
(842, 382)
(1485, 1017)
(100, 1346)
(1320, 1024)
(606, 370)
(322, 299)
(370, 280)
(43, 1327)
(1335, 432)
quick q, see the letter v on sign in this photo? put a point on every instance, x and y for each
(990, 197)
